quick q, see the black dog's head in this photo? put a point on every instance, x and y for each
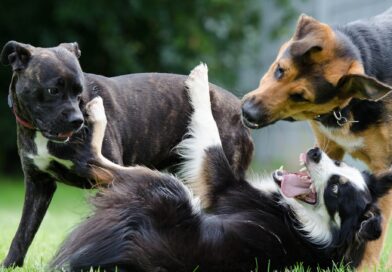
(46, 87)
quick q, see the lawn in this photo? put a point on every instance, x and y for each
(68, 208)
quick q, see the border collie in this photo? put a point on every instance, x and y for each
(150, 221)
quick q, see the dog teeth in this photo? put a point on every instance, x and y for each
(301, 163)
(280, 168)
(303, 169)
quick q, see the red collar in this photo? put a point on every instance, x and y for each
(21, 121)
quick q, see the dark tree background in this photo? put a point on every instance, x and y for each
(119, 37)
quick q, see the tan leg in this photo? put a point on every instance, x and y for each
(103, 169)
(373, 250)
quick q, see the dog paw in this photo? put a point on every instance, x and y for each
(96, 111)
(198, 87)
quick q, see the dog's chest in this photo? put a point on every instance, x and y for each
(42, 158)
(343, 137)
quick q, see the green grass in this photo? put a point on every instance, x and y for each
(66, 210)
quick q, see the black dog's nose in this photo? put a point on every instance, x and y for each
(77, 123)
(252, 114)
(314, 154)
(75, 120)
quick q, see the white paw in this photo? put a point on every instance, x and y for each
(96, 111)
(198, 88)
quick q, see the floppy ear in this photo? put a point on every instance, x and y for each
(370, 227)
(72, 47)
(380, 185)
(307, 37)
(16, 54)
(363, 87)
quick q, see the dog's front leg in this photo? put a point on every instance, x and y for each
(40, 188)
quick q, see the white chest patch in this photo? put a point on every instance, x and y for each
(42, 159)
(342, 137)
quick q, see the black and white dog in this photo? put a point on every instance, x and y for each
(149, 221)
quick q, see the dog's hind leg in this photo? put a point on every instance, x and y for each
(203, 141)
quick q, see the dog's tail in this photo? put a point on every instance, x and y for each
(205, 165)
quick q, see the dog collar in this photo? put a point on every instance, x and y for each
(21, 121)
(336, 118)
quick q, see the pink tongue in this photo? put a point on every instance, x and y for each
(65, 134)
(292, 185)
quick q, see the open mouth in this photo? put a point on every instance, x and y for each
(298, 185)
(61, 137)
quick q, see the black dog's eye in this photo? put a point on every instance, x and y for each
(338, 163)
(279, 72)
(53, 91)
(298, 97)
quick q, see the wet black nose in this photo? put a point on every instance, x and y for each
(314, 155)
(75, 120)
(252, 114)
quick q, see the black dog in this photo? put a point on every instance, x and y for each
(148, 221)
(148, 116)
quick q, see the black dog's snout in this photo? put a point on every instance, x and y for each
(75, 120)
(314, 154)
(77, 123)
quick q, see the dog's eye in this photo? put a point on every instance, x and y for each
(335, 189)
(338, 163)
(53, 91)
(279, 72)
(298, 97)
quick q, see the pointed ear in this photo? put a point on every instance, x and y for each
(308, 36)
(363, 87)
(305, 46)
(370, 227)
(73, 48)
(16, 54)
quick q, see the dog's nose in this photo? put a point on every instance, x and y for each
(252, 114)
(75, 120)
(314, 154)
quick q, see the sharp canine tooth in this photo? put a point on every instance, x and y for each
(280, 168)
(302, 169)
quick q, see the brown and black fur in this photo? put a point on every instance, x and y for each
(322, 69)
(148, 115)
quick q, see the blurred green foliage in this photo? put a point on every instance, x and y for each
(120, 37)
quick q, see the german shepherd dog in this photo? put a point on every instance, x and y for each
(335, 77)
(149, 221)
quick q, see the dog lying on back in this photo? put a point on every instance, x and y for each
(149, 221)
(336, 78)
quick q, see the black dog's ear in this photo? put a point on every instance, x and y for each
(370, 227)
(73, 48)
(363, 87)
(379, 185)
(16, 54)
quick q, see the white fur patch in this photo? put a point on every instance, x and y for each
(264, 183)
(343, 137)
(42, 158)
(203, 132)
